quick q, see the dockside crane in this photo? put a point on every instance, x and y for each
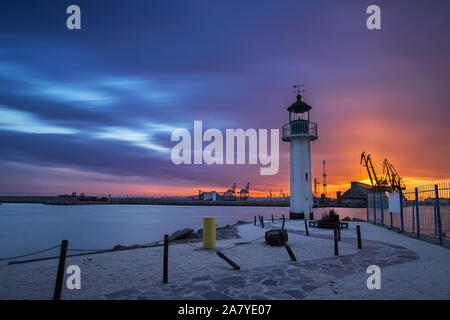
(378, 183)
(244, 193)
(232, 191)
(392, 176)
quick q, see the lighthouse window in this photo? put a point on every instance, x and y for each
(306, 175)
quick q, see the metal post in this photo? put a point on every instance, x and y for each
(339, 233)
(254, 220)
(435, 219)
(438, 213)
(382, 208)
(306, 229)
(60, 272)
(375, 208)
(413, 218)
(417, 213)
(358, 233)
(336, 249)
(272, 218)
(166, 259)
(289, 250)
(401, 211)
(390, 213)
(367, 201)
(228, 260)
(282, 226)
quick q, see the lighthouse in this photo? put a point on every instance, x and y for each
(299, 132)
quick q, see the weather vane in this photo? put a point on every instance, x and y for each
(298, 87)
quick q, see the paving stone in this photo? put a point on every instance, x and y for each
(297, 294)
(214, 295)
(204, 278)
(288, 280)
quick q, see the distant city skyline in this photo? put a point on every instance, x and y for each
(92, 110)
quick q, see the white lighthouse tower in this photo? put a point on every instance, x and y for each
(300, 132)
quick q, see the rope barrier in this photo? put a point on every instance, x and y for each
(347, 232)
(80, 250)
(88, 250)
(192, 245)
(242, 243)
(31, 254)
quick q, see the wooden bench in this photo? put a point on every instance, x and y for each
(313, 223)
(343, 224)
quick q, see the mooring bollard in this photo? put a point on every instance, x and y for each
(358, 233)
(289, 250)
(306, 228)
(60, 272)
(228, 260)
(282, 226)
(166, 259)
(336, 249)
(209, 233)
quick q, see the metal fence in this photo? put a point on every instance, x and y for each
(424, 211)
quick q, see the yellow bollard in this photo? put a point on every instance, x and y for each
(209, 233)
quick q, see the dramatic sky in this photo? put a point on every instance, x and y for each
(92, 110)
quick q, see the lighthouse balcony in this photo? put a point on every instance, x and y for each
(300, 128)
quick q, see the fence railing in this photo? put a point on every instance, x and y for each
(424, 210)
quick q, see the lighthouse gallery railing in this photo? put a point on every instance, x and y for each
(299, 128)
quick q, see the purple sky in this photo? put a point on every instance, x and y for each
(92, 110)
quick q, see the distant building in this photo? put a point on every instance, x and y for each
(226, 197)
(356, 195)
(208, 196)
(338, 196)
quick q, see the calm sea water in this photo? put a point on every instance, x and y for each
(27, 228)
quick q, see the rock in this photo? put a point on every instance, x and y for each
(358, 220)
(227, 232)
(186, 233)
(119, 247)
(276, 237)
(241, 222)
(347, 219)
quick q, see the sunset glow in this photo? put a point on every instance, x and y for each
(93, 111)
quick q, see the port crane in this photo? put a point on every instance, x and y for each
(391, 181)
(392, 176)
(377, 182)
(232, 191)
(244, 193)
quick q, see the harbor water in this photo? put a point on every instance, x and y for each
(26, 228)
